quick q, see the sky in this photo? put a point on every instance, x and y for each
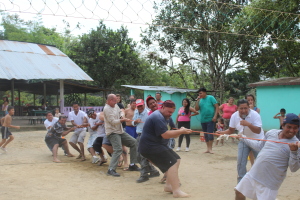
(134, 14)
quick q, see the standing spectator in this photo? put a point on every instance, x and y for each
(5, 106)
(209, 109)
(184, 120)
(226, 110)
(78, 118)
(57, 113)
(158, 100)
(250, 98)
(129, 113)
(116, 135)
(247, 122)
(280, 116)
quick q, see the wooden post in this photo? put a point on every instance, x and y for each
(61, 91)
(20, 107)
(84, 99)
(33, 99)
(12, 92)
(45, 98)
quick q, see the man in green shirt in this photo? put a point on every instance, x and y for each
(209, 108)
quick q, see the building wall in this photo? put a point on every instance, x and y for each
(177, 98)
(270, 99)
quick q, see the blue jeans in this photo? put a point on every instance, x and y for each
(208, 127)
(243, 152)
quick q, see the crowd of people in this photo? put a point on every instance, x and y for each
(147, 129)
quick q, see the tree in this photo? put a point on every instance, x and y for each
(193, 32)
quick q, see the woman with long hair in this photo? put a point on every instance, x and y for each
(184, 120)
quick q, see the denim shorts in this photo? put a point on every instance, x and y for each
(208, 127)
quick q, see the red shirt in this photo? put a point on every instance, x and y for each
(228, 110)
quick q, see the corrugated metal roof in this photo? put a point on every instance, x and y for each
(22, 60)
(167, 89)
(277, 81)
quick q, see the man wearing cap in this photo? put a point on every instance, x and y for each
(209, 109)
(115, 134)
(269, 170)
(129, 112)
(247, 122)
(156, 133)
(158, 100)
(140, 116)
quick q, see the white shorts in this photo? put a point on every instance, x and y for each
(78, 136)
(91, 140)
(254, 190)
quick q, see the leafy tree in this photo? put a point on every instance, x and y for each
(189, 31)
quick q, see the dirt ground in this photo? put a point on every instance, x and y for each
(27, 172)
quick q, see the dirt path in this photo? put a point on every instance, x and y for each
(27, 172)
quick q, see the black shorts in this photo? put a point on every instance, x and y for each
(51, 141)
(97, 145)
(5, 132)
(163, 160)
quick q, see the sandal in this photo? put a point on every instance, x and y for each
(102, 162)
(120, 163)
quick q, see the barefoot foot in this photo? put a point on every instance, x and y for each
(168, 188)
(70, 155)
(78, 157)
(56, 161)
(206, 152)
(180, 194)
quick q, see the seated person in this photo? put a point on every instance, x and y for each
(54, 137)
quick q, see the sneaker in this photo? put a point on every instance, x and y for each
(178, 149)
(112, 172)
(134, 168)
(95, 159)
(3, 149)
(142, 179)
(154, 174)
(187, 149)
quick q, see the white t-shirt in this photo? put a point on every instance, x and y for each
(100, 130)
(47, 123)
(78, 119)
(253, 117)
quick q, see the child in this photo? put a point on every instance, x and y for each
(6, 123)
(280, 116)
(220, 127)
(57, 114)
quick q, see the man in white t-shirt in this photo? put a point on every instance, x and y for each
(78, 118)
(246, 122)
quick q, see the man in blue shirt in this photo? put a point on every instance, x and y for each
(140, 116)
(156, 133)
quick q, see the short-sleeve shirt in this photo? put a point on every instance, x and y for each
(57, 130)
(253, 117)
(151, 140)
(207, 108)
(47, 123)
(228, 110)
(78, 119)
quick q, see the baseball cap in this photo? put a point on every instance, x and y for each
(139, 102)
(291, 118)
(90, 112)
(149, 98)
